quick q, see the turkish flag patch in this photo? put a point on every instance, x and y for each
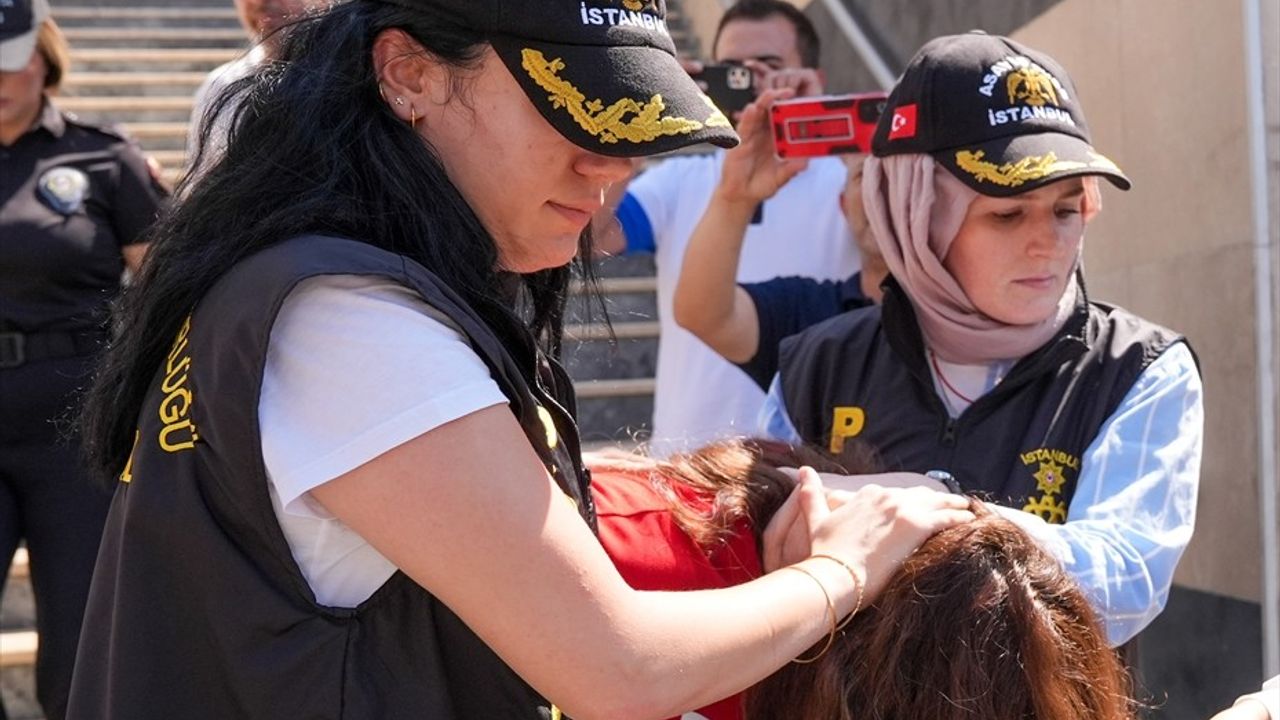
(904, 122)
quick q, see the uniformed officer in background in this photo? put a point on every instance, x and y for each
(74, 202)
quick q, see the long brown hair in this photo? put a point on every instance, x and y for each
(733, 479)
(980, 622)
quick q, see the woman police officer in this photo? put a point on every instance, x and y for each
(75, 199)
(987, 360)
(347, 471)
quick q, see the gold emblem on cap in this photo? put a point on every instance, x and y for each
(1028, 169)
(609, 124)
(1032, 86)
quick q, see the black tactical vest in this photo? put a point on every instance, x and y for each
(864, 374)
(197, 609)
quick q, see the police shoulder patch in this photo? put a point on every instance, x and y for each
(64, 188)
(113, 131)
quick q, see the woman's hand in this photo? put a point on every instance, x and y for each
(834, 483)
(874, 528)
(752, 173)
(853, 483)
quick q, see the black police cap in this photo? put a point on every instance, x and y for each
(1003, 118)
(603, 72)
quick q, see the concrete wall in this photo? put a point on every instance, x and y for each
(898, 29)
(1162, 86)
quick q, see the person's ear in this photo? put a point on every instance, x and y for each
(1091, 204)
(406, 74)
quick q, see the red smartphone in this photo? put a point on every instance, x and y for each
(730, 86)
(826, 125)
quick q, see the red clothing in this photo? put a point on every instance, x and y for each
(652, 552)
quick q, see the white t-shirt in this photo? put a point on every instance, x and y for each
(356, 366)
(959, 386)
(1268, 696)
(214, 83)
(701, 396)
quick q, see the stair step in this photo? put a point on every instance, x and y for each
(17, 647)
(156, 130)
(121, 103)
(619, 285)
(78, 80)
(621, 331)
(628, 387)
(164, 56)
(134, 13)
(170, 158)
(78, 34)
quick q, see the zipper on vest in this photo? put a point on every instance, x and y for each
(949, 433)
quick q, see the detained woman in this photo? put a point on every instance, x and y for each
(980, 622)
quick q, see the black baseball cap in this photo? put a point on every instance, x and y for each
(1003, 118)
(19, 23)
(602, 72)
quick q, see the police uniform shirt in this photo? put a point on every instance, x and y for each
(71, 196)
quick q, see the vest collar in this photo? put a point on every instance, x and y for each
(902, 331)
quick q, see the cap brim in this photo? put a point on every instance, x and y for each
(16, 51)
(624, 101)
(1013, 165)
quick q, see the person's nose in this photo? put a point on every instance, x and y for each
(1048, 240)
(603, 168)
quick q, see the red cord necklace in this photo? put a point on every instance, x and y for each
(943, 379)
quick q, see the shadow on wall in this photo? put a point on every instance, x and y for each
(897, 30)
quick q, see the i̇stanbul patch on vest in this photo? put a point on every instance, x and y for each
(1051, 469)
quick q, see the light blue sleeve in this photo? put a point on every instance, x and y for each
(774, 422)
(1135, 504)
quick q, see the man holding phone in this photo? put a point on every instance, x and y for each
(798, 231)
(745, 321)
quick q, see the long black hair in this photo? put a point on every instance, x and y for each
(312, 148)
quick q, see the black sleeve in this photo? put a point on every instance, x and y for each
(138, 196)
(785, 306)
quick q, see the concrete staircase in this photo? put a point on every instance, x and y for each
(18, 643)
(139, 67)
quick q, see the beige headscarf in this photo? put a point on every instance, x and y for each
(915, 208)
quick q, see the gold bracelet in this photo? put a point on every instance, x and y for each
(831, 612)
(857, 583)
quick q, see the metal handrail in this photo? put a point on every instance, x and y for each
(861, 43)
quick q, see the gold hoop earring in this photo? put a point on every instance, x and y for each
(413, 116)
(382, 92)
